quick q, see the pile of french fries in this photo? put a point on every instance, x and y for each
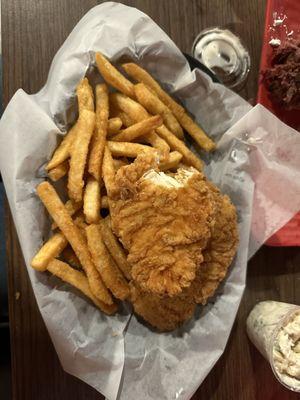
(111, 130)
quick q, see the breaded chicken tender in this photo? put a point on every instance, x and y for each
(220, 251)
(181, 235)
(164, 221)
(164, 313)
(167, 313)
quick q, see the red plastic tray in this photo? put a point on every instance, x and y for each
(289, 235)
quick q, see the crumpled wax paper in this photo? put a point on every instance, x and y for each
(256, 162)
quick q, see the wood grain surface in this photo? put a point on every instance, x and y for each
(32, 32)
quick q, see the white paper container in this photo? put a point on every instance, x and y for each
(257, 163)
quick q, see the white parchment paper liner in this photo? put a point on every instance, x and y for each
(257, 163)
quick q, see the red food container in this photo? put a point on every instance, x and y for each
(282, 22)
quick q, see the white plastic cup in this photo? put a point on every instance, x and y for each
(263, 326)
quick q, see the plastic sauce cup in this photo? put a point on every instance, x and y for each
(264, 324)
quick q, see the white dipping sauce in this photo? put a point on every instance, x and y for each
(286, 352)
(274, 328)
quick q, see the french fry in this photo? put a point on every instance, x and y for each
(115, 248)
(104, 202)
(60, 215)
(157, 142)
(197, 133)
(125, 118)
(58, 172)
(99, 137)
(176, 144)
(85, 99)
(86, 123)
(137, 113)
(139, 74)
(72, 207)
(91, 201)
(77, 279)
(63, 151)
(106, 266)
(70, 257)
(85, 96)
(133, 109)
(108, 172)
(114, 125)
(172, 161)
(127, 149)
(179, 112)
(113, 77)
(51, 249)
(155, 106)
(81, 224)
(138, 129)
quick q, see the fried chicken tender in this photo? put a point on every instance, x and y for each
(220, 251)
(181, 235)
(166, 313)
(164, 221)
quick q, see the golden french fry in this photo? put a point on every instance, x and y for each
(114, 125)
(81, 224)
(114, 247)
(77, 279)
(104, 202)
(60, 215)
(179, 112)
(134, 110)
(157, 142)
(99, 137)
(137, 113)
(108, 172)
(125, 118)
(86, 123)
(154, 105)
(139, 74)
(127, 149)
(85, 96)
(70, 257)
(58, 172)
(85, 99)
(72, 207)
(178, 145)
(112, 76)
(197, 133)
(51, 249)
(138, 129)
(106, 266)
(91, 201)
(63, 151)
(172, 161)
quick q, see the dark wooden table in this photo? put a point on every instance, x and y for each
(32, 32)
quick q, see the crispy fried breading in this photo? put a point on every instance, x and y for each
(164, 222)
(220, 251)
(166, 313)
